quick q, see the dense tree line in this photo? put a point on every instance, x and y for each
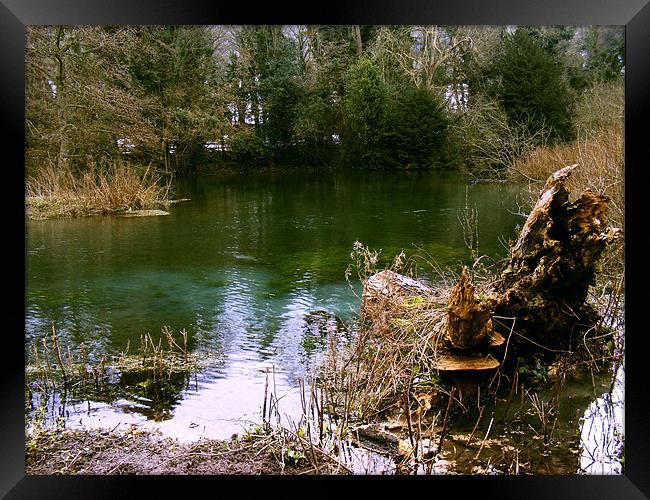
(176, 97)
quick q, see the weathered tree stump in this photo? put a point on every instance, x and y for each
(469, 320)
(553, 263)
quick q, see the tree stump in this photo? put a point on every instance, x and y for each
(469, 320)
(553, 263)
(544, 287)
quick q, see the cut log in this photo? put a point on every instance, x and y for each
(469, 320)
(390, 288)
(389, 284)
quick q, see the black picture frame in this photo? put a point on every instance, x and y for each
(633, 14)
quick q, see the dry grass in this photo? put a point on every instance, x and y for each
(395, 345)
(599, 155)
(598, 150)
(115, 188)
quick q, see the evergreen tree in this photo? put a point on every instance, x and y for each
(330, 51)
(365, 105)
(528, 83)
(415, 131)
(266, 69)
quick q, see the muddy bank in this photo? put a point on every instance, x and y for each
(138, 452)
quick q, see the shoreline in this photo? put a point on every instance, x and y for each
(141, 452)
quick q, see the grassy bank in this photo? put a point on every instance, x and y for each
(57, 191)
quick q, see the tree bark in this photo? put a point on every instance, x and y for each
(356, 30)
(60, 96)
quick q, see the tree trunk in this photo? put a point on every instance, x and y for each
(356, 30)
(60, 96)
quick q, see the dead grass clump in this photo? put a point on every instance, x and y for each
(599, 155)
(158, 361)
(52, 365)
(102, 189)
(56, 376)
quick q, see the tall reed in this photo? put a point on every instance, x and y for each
(57, 191)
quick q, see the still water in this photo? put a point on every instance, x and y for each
(243, 267)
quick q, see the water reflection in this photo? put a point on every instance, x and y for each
(602, 435)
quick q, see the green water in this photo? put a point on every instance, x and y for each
(239, 267)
